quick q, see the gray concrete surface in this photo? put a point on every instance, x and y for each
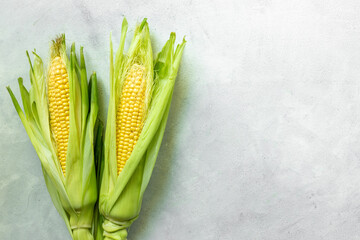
(263, 138)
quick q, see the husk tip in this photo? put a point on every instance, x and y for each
(125, 22)
(144, 25)
(57, 44)
(184, 40)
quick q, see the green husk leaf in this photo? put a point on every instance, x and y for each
(84, 89)
(120, 52)
(25, 99)
(56, 200)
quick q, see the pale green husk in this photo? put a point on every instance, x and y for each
(74, 195)
(121, 196)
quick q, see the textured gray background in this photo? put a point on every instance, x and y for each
(263, 139)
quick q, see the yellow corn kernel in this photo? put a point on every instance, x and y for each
(58, 93)
(130, 114)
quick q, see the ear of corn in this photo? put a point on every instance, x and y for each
(125, 178)
(60, 123)
(130, 114)
(59, 100)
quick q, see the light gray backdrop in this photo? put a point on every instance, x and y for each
(263, 138)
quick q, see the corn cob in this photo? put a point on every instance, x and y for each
(130, 114)
(58, 95)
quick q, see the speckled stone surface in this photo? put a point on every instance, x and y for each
(263, 137)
